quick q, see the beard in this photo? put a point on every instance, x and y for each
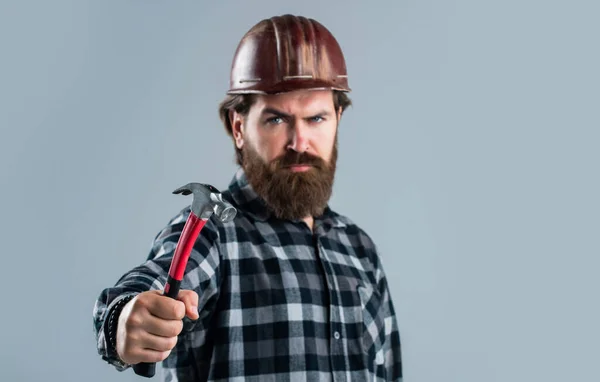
(291, 195)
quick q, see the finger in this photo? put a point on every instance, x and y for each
(148, 341)
(147, 355)
(166, 308)
(190, 300)
(161, 327)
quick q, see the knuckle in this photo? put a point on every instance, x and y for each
(177, 328)
(164, 345)
(138, 307)
(133, 338)
(167, 330)
(133, 322)
(145, 300)
(160, 356)
(191, 295)
(139, 302)
(179, 310)
(130, 345)
(172, 342)
(129, 325)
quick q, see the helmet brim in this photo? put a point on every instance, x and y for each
(289, 85)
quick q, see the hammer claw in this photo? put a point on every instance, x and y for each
(184, 190)
(207, 200)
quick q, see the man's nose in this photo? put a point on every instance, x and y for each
(299, 139)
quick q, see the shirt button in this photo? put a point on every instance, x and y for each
(336, 335)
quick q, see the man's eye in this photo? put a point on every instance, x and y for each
(275, 120)
(317, 119)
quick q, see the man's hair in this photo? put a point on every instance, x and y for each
(241, 103)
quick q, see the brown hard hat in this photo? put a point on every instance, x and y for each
(285, 53)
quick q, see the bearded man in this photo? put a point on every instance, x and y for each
(289, 290)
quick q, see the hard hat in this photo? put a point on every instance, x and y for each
(285, 53)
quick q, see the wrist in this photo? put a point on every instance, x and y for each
(112, 325)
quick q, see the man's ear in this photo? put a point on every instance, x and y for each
(339, 113)
(237, 127)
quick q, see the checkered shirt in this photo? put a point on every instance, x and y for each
(277, 301)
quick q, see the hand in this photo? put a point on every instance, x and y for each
(150, 323)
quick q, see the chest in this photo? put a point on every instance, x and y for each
(294, 277)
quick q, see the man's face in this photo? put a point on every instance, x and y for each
(289, 148)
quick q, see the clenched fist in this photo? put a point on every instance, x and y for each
(150, 323)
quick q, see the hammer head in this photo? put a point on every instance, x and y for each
(208, 200)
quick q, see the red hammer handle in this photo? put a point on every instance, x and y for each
(191, 230)
(188, 237)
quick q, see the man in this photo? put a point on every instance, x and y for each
(289, 290)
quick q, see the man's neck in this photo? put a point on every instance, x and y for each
(309, 221)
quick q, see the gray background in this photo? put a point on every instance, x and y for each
(470, 156)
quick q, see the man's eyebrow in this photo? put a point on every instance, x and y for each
(270, 110)
(322, 113)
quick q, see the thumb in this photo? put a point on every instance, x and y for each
(190, 300)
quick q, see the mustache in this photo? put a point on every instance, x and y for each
(291, 158)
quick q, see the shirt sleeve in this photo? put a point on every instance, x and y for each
(391, 346)
(202, 275)
(390, 336)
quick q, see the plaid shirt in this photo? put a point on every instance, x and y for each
(277, 301)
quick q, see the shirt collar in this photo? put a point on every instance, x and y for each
(244, 196)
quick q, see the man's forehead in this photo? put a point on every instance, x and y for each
(296, 101)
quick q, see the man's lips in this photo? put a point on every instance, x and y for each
(299, 167)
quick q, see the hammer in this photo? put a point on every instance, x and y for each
(207, 200)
